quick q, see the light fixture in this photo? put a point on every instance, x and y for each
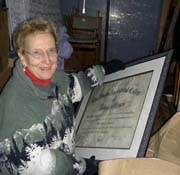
(84, 7)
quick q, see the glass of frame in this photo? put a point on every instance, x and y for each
(115, 120)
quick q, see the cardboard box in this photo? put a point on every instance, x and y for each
(165, 143)
(4, 40)
(138, 166)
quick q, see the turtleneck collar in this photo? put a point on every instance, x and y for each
(36, 80)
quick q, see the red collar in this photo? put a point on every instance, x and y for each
(36, 80)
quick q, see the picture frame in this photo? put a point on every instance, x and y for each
(115, 119)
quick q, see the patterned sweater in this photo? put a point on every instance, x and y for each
(37, 123)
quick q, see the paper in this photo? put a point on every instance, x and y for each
(113, 111)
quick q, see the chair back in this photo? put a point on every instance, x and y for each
(85, 38)
(85, 22)
(81, 26)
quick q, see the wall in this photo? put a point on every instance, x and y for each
(133, 26)
(19, 10)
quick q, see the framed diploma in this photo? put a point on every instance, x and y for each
(115, 119)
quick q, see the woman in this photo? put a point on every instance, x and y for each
(36, 106)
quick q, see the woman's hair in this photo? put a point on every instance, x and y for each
(32, 26)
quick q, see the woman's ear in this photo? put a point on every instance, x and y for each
(22, 58)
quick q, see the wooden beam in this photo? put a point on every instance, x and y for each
(164, 15)
(169, 39)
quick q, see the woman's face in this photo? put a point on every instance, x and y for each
(40, 55)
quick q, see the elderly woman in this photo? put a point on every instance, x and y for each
(36, 106)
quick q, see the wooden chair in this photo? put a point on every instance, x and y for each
(85, 37)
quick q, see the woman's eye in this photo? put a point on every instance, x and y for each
(37, 53)
(53, 50)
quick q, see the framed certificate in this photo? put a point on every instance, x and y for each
(115, 119)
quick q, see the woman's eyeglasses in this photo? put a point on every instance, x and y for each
(40, 54)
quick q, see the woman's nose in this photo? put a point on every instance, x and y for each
(47, 58)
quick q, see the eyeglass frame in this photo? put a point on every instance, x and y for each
(41, 53)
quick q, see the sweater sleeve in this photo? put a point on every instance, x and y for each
(83, 81)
